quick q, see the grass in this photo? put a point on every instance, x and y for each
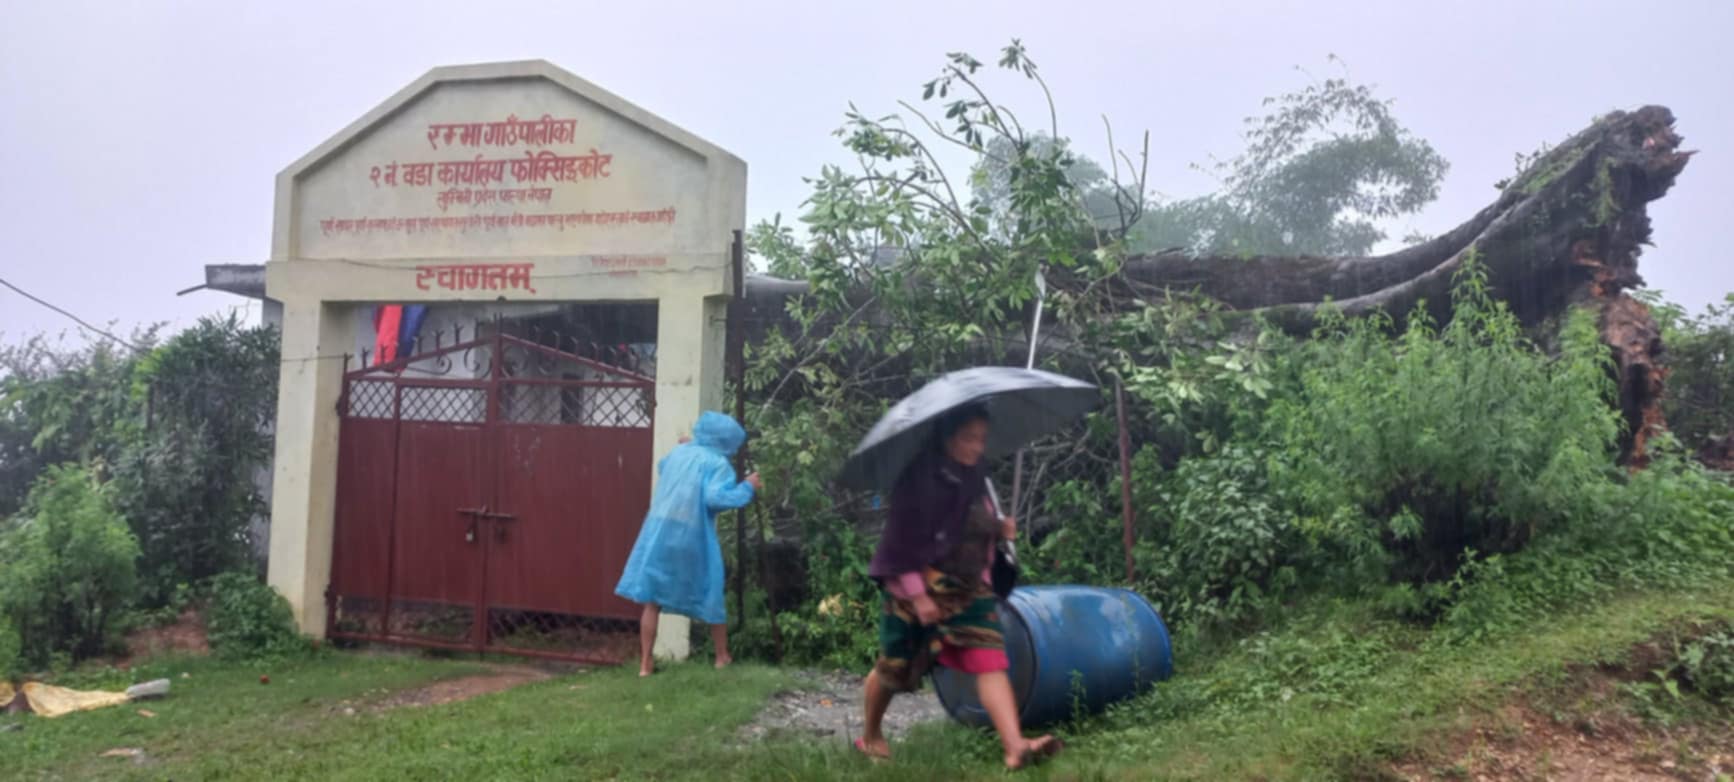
(1343, 696)
(213, 705)
(223, 724)
(1336, 694)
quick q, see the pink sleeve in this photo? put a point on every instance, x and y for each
(906, 586)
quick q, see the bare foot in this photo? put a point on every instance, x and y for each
(644, 671)
(724, 662)
(1034, 751)
(876, 749)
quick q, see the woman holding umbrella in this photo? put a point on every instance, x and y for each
(933, 563)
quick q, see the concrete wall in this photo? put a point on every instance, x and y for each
(608, 203)
(259, 528)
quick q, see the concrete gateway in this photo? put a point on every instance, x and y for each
(501, 293)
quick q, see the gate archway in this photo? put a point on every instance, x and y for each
(488, 495)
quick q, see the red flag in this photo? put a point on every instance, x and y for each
(386, 320)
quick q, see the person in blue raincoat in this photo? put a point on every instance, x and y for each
(677, 564)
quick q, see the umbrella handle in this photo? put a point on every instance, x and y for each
(1035, 330)
(1010, 547)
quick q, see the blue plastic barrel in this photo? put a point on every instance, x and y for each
(1069, 646)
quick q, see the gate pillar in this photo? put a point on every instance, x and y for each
(310, 377)
(691, 334)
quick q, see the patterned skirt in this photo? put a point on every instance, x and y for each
(967, 637)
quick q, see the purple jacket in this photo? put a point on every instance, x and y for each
(928, 508)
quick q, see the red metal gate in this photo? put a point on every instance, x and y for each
(488, 495)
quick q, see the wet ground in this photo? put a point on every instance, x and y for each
(826, 706)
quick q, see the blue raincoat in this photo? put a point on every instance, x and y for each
(677, 562)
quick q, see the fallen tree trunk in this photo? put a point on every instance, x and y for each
(1593, 188)
(1566, 233)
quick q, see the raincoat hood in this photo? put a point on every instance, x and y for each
(719, 433)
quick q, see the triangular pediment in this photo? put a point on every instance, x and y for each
(519, 159)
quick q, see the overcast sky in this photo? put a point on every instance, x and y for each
(139, 140)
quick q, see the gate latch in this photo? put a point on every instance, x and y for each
(475, 514)
(499, 529)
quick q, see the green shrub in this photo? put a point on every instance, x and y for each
(9, 649)
(1220, 542)
(69, 568)
(1667, 527)
(1085, 547)
(1442, 441)
(837, 625)
(836, 618)
(1699, 399)
(248, 620)
(834, 631)
(1708, 666)
(1214, 541)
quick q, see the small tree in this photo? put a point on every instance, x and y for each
(181, 428)
(61, 404)
(185, 476)
(69, 567)
(1319, 171)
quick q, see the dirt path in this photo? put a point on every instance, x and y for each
(497, 678)
(1526, 745)
(1585, 731)
(827, 706)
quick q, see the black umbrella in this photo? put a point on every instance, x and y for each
(1025, 404)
